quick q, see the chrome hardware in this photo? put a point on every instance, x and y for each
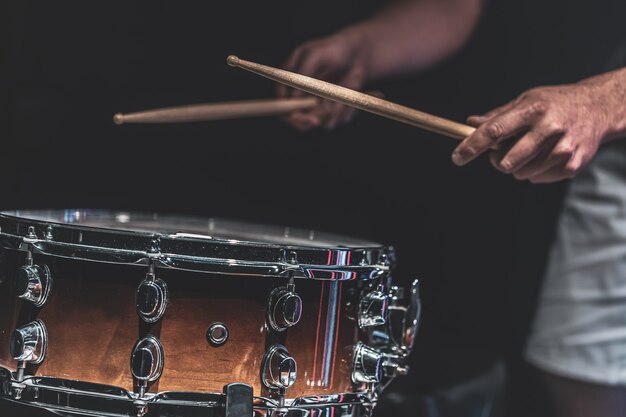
(151, 299)
(404, 322)
(147, 359)
(412, 319)
(64, 397)
(279, 369)
(366, 364)
(373, 309)
(29, 343)
(397, 336)
(394, 366)
(217, 334)
(33, 283)
(146, 362)
(284, 308)
(203, 244)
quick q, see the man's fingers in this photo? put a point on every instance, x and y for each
(568, 168)
(340, 113)
(497, 129)
(549, 157)
(289, 65)
(525, 150)
(303, 121)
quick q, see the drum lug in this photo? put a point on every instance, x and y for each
(279, 369)
(284, 308)
(29, 344)
(397, 336)
(151, 299)
(366, 364)
(146, 365)
(33, 283)
(152, 295)
(373, 309)
(405, 330)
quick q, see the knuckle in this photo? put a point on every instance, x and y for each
(494, 130)
(554, 127)
(538, 106)
(564, 150)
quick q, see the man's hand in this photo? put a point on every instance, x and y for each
(340, 59)
(554, 132)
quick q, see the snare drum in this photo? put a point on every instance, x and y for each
(131, 314)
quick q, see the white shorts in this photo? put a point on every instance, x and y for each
(579, 329)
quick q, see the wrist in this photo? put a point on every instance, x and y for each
(609, 91)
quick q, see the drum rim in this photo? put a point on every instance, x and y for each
(82, 392)
(192, 252)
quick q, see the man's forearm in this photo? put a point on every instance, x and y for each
(411, 35)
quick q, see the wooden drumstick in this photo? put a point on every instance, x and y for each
(218, 111)
(221, 111)
(356, 99)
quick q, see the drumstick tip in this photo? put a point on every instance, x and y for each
(232, 60)
(118, 118)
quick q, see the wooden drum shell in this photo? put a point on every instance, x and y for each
(92, 326)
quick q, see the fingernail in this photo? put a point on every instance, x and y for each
(505, 165)
(457, 158)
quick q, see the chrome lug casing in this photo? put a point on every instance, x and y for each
(279, 369)
(373, 309)
(29, 343)
(284, 308)
(366, 364)
(33, 283)
(395, 339)
(151, 299)
(147, 359)
(404, 322)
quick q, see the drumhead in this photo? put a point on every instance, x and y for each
(191, 242)
(200, 227)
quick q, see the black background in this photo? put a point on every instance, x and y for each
(477, 239)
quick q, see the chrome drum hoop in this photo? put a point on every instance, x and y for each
(75, 398)
(106, 239)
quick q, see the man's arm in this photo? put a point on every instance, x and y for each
(411, 35)
(559, 128)
(407, 36)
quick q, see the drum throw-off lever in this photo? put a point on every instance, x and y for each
(238, 400)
